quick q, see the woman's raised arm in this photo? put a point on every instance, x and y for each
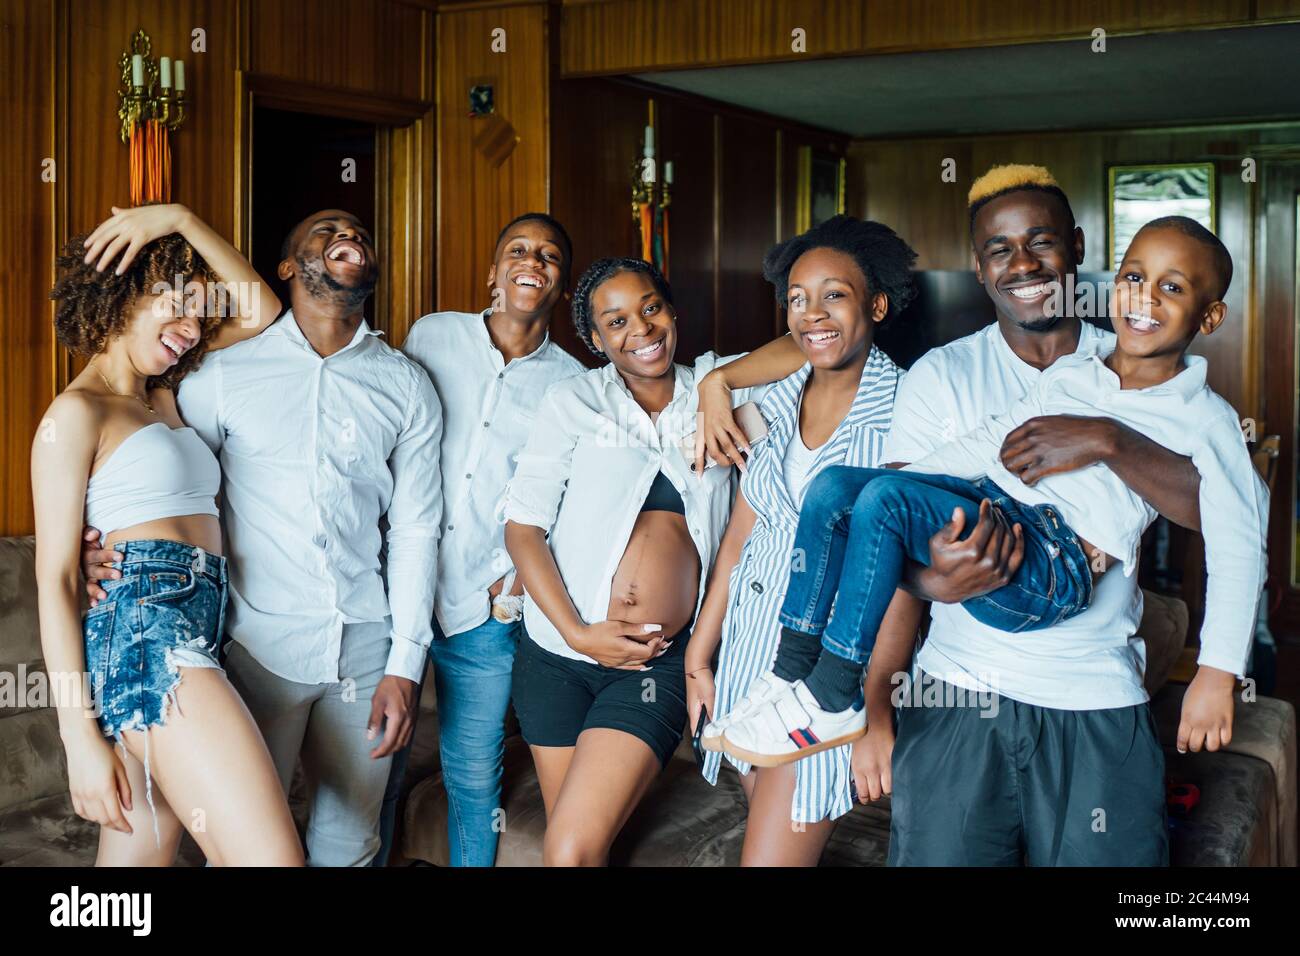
(252, 304)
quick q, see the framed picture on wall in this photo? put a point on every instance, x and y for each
(821, 187)
(1138, 194)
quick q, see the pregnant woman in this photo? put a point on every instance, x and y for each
(112, 452)
(612, 536)
(836, 282)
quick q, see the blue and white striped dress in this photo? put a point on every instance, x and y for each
(750, 630)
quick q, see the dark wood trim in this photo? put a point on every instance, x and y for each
(279, 93)
(717, 226)
(1278, 189)
(65, 364)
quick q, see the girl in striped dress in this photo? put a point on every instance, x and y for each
(836, 281)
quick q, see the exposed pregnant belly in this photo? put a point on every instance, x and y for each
(658, 577)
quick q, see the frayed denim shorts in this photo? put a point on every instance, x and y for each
(164, 613)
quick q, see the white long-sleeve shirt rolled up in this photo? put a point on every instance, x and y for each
(585, 472)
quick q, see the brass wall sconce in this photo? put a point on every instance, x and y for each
(651, 198)
(151, 103)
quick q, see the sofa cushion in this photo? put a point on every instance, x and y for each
(32, 761)
(46, 832)
(1233, 823)
(1163, 629)
(1263, 729)
(20, 635)
(682, 821)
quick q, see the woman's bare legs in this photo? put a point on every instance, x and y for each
(211, 769)
(771, 837)
(552, 763)
(139, 848)
(608, 774)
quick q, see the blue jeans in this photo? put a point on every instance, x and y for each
(471, 672)
(875, 519)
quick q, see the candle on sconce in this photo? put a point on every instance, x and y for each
(649, 140)
(668, 172)
(165, 72)
(180, 76)
(137, 70)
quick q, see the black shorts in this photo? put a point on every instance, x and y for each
(556, 698)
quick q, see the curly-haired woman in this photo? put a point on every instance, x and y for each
(613, 538)
(112, 452)
(836, 282)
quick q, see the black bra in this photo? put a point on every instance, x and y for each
(663, 497)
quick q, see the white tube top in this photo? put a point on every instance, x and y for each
(157, 472)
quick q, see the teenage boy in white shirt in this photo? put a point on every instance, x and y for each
(490, 369)
(1065, 729)
(322, 430)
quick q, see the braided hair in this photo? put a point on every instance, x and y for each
(596, 275)
(884, 258)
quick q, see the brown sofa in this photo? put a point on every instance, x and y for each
(1246, 815)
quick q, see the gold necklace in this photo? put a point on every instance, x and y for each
(109, 386)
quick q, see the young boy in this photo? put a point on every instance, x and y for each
(1171, 286)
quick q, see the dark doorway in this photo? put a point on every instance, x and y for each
(298, 168)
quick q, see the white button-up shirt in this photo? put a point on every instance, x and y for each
(1091, 661)
(1183, 415)
(489, 407)
(586, 471)
(314, 452)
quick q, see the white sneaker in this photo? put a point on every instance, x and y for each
(761, 691)
(789, 727)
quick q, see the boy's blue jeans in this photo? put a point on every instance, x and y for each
(859, 526)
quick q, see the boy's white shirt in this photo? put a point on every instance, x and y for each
(1183, 415)
(1092, 661)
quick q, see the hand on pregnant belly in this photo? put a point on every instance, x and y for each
(622, 644)
(658, 578)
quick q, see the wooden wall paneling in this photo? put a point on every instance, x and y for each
(202, 174)
(1279, 191)
(948, 24)
(630, 36)
(28, 38)
(792, 141)
(900, 184)
(1277, 9)
(474, 198)
(746, 314)
(375, 46)
(409, 231)
(724, 213)
(595, 140)
(685, 136)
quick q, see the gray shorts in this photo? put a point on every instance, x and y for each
(995, 782)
